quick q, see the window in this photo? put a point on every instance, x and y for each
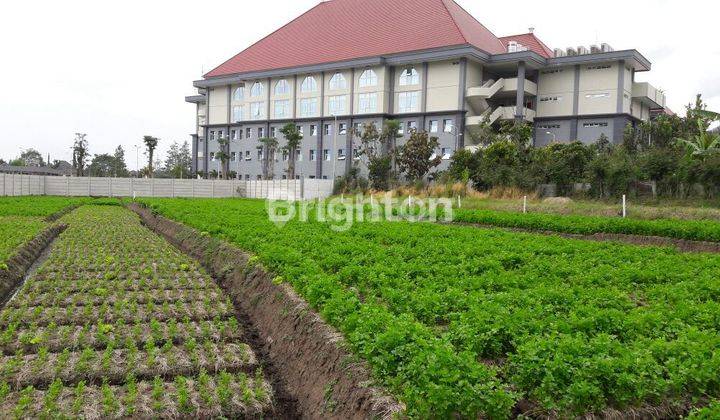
(548, 126)
(201, 154)
(367, 103)
(595, 125)
(326, 154)
(337, 82)
(599, 67)
(300, 129)
(308, 85)
(313, 157)
(358, 128)
(282, 87)
(308, 107)
(248, 132)
(433, 126)
(341, 154)
(247, 155)
(408, 101)
(551, 71)
(261, 132)
(237, 113)
(233, 156)
(298, 155)
(401, 129)
(239, 93)
(212, 135)
(220, 134)
(247, 177)
(411, 126)
(257, 110)
(342, 129)
(336, 104)
(328, 130)
(551, 98)
(259, 177)
(313, 130)
(356, 154)
(282, 108)
(368, 78)
(448, 126)
(273, 132)
(446, 153)
(409, 77)
(256, 90)
(597, 95)
(235, 134)
(285, 155)
(212, 155)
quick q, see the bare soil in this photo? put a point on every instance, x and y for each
(305, 356)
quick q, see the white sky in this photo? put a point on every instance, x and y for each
(120, 70)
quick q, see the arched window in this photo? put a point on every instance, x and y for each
(257, 89)
(337, 82)
(238, 93)
(282, 87)
(308, 85)
(409, 76)
(368, 78)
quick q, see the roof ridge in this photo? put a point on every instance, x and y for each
(267, 36)
(452, 17)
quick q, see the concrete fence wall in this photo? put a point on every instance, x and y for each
(303, 189)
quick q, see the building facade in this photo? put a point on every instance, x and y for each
(327, 74)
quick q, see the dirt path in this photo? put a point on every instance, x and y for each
(174, 347)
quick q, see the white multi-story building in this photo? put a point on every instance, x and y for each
(426, 63)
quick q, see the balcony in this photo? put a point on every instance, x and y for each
(503, 113)
(648, 94)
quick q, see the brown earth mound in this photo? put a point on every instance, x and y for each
(305, 354)
(20, 263)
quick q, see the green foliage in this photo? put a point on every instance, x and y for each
(415, 157)
(16, 231)
(293, 140)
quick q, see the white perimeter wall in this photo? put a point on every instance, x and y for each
(304, 189)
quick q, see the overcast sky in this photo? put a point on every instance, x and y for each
(120, 70)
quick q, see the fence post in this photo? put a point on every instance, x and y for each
(193, 187)
(67, 186)
(132, 187)
(3, 185)
(44, 185)
(213, 188)
(152, 187)
(624, 204)
(89, 186)
(110, 186)
(172, 185)
(524, 204)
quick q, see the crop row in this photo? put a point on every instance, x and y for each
(205, 396)
(37, 206)
(112, 296)
(114, 365)
(56, 338)
(128, 312)
(461, 321)
(697, 230)
(115, 322)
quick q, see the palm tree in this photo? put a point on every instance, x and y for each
(703, 144)
(151, 144)
(268, 145)
(294, 139)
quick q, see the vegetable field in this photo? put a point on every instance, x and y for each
(14, 232)
(462, 321)
(37, 206)
(117, 323)
(697, 230)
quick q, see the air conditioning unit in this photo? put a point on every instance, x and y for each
(582, 50)
(571, 51)
(594, 49)
(606, 48)
(559, 52)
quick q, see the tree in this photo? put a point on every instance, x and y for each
(151, 144)
(80, 153)
(2, 162)
(370, 151)
(703, 144)
(178, 162)
(119, 168)
(102, 165)
(389, 136)
(268, 145)
(29, 157)
(418, 156)
(224, 155)
(293, 139)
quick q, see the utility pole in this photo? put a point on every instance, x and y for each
(332, 152)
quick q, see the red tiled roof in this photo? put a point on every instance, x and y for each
(340, 30)
(531, 41)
